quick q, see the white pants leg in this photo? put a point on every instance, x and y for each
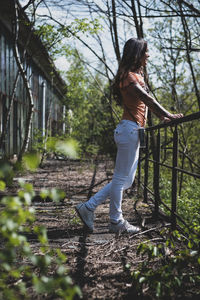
(127, 140)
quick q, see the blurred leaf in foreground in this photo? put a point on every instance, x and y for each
(68, 148)
(31, 161)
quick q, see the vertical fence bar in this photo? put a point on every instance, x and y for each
(146, 167)
(174, 178)
(157, 174)
(139, 175)
(165, 151)
(43, 109)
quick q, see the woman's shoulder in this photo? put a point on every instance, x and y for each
(136, 76)
(133, 77)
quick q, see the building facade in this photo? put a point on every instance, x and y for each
(47, 86)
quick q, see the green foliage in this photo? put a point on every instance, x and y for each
(85, 26)
(58, 145)
(188, 188)
(52, 36)
(89, 118)
(31, 160)
(174, 80)
(189, 200)
(170, 268)
(54, 194)
(6, 174)
(22, 272)
(2, 185)
(68, 147)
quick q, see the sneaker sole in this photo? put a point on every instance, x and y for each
(124, 231)
(87, 227)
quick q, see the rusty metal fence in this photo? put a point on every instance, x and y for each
(151, 158)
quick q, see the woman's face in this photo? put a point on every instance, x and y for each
(145, 58)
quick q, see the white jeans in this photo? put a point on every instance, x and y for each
(126, 137)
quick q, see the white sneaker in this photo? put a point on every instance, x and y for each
(86, 215)
(123, 226)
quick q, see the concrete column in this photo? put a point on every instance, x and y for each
(43, 108)
(64, 126)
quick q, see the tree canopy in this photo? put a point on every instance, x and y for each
(88, 36)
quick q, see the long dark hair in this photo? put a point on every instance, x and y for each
(134, 50)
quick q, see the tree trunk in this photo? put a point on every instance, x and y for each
(8, 112)
(186, 36)
(115, 38)
(27, 86)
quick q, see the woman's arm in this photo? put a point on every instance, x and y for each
(154, 106)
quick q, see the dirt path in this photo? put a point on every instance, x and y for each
(100, 263)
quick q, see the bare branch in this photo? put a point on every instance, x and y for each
(78, 38)
(190, 6)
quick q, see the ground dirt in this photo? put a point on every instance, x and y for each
(97, 262)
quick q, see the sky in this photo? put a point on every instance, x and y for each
(61, 62)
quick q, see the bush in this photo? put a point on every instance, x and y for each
(22, 272)
(169, 269)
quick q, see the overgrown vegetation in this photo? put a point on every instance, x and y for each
(188, 200)
(90, 118)
(169, 269)
(24, 273)
(49, 146)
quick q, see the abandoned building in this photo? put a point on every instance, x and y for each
(47, 86)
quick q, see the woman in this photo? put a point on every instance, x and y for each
(129, 88)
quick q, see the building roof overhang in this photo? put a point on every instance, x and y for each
(35, 49)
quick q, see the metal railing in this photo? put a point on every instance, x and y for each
(152, 155)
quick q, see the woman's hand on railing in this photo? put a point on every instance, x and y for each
(172, 117)
(176, 116)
